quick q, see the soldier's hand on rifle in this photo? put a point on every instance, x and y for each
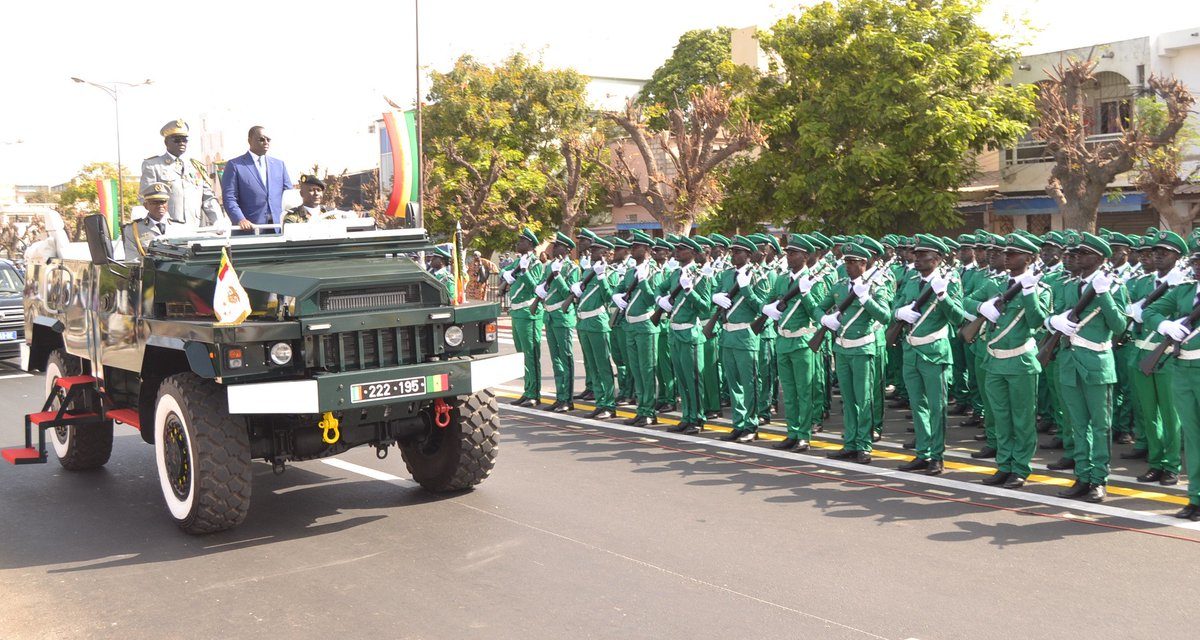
(665, 303)
(707, 271)
(600, 269)
(939, 284)
(908, 313)
(619, 300)
(862, 290)
(830, 321)
(526, 259)
(672, 264)
(577, 289)
(1063, 324)
(1175, 277)
(805, 284)
(556, 266)
(1028, 282)
(744, 278)
(1135, 311)
(541, 291)
(686, 282)
(508, 277)
(721, 299)
(772, 311)
(1102, 283)
(1173, 329)
(643, 270)
(988, 310)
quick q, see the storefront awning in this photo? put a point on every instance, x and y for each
(1042, 205)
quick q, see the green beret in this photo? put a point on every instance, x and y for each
(1017, 243)
(1171, 240)
(1093, 243)
(689, 243)
(926, 242)
(797, 242)
(597, 241)
(854, 251)
(871, 244)
(564, 239)
(640, 237)
(718, 239)
(702, 241)
(442, 253)
(742, 242)
(529, 235)
(619, 242)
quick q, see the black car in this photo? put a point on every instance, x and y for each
(12, 315)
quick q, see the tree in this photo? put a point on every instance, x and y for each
(875, 109)
(1158, 171)
(701, 58)
(578, 184)
(696, 144)
(79, 198)
(1083, 170)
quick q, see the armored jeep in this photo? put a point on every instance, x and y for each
(349, 342)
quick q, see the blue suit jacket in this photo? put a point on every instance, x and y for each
(246, 197)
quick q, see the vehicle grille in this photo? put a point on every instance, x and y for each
(12, 319)
(369, 349)
(363, 299)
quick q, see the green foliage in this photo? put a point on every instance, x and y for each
(1151, 116)
(873, 111)
(701, 58)
(81, 192)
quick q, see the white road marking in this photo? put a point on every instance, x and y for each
(15, 375)
(374, 474)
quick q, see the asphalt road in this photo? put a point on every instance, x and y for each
(594, 531)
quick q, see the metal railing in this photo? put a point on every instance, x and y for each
(1034, 151)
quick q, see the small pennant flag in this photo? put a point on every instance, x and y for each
(231, 305)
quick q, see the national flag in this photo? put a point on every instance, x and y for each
(231, 305)
(110, 208)
(399, 166)
(460, 268)
(438, 383)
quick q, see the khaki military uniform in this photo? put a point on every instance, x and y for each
(192, 199)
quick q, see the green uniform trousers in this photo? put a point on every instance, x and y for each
(527, 337)
(1010, 403)
(1130, 364)
(665, 372)
(797, 378)
(881, 361)
(858, 380)
(894, 375)
(618, 346)
(960, 380)
(975, 390)
(928, 386)
(561, 344)
(711, 375)
(985, 403)
(1123, 393)
(596, 362)
(1090, 409)
(1059, 412)
(765, 393)
(1185, 385)
(688, 372)
(1161, 422)
(741, 372)
(641, 351)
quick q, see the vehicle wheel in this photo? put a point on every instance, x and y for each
(77, 448)
(202, 454)
(462, 454)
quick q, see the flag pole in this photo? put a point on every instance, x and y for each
(420, 169)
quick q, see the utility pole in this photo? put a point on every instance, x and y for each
(113, 90)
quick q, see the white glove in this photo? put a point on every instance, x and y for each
(772, 311)
(1028, 282)
(939, 285)
(526, 259)
(1134, 311)
(577, 289)
(1175, 277)
(665, 303)
(541, 291)
(643, 270)
(672, 264)
(556, 266)
(988, 310)
(1063, 325)
(707, 270)
(744, 279)
(1173, 329)
(619, 300)
(686, 282)
(830, 321)
(600, 269)
(908, 313)
(721, 299)
(805, 284)
(508, 277)
(861, 290)
(1102, 282)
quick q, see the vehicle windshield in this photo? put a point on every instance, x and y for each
(10, 280)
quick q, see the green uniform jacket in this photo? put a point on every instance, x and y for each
(1137, 288)
(1015, 330)
(764, 281)
(938, 317)
(859, 319)
(446, 277)
(557, 314)
(747, 305)
(521, 293)
(801, 314)
(690, 307)
(641, 300)
(592, 306)
(1100, 322)
(1176, 305)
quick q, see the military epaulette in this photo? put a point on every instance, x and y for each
(152, 158)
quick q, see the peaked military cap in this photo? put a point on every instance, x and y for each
(1170, 240)
(174, 128)
(564, 239)
(589, 234)
(638, 236)
(529, 235)
(950, 243)
(966, 240)
(619, 242)
(441, 253)
(797, 242)
(1017, 243)
(870, 244)
(702, 241)
(926, 242)
(686, 242)
(717, 238)
(826, 243)
(660, 243)
(1116, 238)
(597, 241)
(156, 191)
(1093, 243)
(1054, 238)
(313, 180)
(854, 251)
(743, 242)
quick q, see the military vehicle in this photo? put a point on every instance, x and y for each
(349, 343)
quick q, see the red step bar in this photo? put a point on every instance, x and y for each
(22, 455)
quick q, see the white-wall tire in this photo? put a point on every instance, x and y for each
(77, 448)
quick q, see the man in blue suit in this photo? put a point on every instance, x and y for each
(253, 184)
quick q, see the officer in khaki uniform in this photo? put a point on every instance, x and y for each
(137, 235)
(311, 189)
(523, 276)
(192, 199)
(692, 289)
(592, 295)
(560, 320)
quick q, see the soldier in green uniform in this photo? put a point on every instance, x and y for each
(1010, 366)
(439, 266)
(896, 251)
(1125, 349)
(620, 264)
(635, 297)
(855, 348)
(686, 297)
(667, 264)
(740, 302)
(583, 246)
(560, 320)
(888, 285)
(710, 381)
(720, 263)
(523, 276)
(823, 265)
(1167, 315)
(926, 345)
(592, 295)
(796, 323)
(962, 384)
(1152, 394)
(990, 284)
(1086, 368)
(764, 279)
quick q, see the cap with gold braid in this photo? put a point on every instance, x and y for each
(174, 128)
(156, 192)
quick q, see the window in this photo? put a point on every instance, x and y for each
(1115, 116)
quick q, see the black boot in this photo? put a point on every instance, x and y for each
(679, 428)
(1061, 464)
(600, 414)
(731, 436)
(936, 467)
(996, 479)
(916, 464)
(986, 452)
(1076, 490)
(1014, 481)
(747, 436)
(787, 445)
(1095, 493)
(801, 445)
(563, 407)
(1153, 475)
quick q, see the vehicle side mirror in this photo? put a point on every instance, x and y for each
(95, 228)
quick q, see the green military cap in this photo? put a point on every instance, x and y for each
(1196, 244)
(1053, 238)
(890, 240)
(966, 240)
(529, 235)
(1170, 240)
(854, 251)
(1018, 243)
(757, 238)
(797, 242)
(659, 243)
(718, 239)
(601, 242)
(822, 238)
(441, 253)
(1116, 238)
(617, 241)
(950, 243)
(839, 239)
(1136, 243)
(564, 239)
(174, 128)
(984, 239)
(743, 242)
(589, 234)
(672, 238)
(690, 243)
(1093, 243)
(640, 237)
(927, 242)
(156, 192)
(770, 239)
(1151, 231)
(871, 244)
(702, 241)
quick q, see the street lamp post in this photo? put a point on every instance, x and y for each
(113, 90)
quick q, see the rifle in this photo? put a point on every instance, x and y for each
(671, 297)
(897, 326)
(970, 331)
(710, 327)
(1158, 292)
(818, 338)
(760, 322)
(570, 299)
(1150, 362)
(516, 272)
(1049, 346)
(550, 276)
(628, 292)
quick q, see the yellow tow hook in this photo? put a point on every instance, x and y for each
(329, 428)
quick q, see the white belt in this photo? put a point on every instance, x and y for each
(584, 315)
(798, 333)
(736, 326)
(857, 342)
(1076, 341)
(1146, 344)
(642, 318)
(684, 326)
(554, 307)
(1003, 354)
(520, 305)
(1189, 354)
(928, 339)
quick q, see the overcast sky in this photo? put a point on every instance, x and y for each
(315, 73)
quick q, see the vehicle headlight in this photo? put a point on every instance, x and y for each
(281, 353)
(454, 336)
